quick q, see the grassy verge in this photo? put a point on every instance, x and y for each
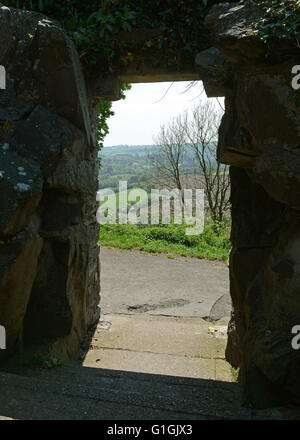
(171, 239)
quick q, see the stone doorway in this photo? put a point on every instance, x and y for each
(49, 252)
(137, 286)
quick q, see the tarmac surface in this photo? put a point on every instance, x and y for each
(133, 282)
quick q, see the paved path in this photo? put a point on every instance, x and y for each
(182, 347)
(136, 368)
(133, 282)
(140, 365)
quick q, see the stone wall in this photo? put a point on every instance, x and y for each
(49, 268)
(260, 137)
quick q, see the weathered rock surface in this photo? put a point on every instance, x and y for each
(260, 137)
(49, 274)
(214, 70)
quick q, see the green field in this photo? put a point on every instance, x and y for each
(123, 163)
(130, 163)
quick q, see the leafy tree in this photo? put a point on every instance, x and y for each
(105, 112)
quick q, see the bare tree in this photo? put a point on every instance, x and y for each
(195, 132)
(166, 159)
(201, 133)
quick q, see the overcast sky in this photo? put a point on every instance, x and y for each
(138, 118)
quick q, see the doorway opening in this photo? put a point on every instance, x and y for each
(165, 299)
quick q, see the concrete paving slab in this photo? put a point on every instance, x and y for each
(151, 363)
(223, 371)
(158, 334)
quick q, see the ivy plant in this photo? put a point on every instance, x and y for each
(105, 112)
(109, 34)
(281, 18)
(99, 27)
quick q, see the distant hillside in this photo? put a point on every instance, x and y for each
(131, 147)
(129, 162)
(124, 162)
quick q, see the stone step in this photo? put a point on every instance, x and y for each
(205, 405)
(27, 399)
(151, 363)
(129, 396)
(159, 334)
(177, 387)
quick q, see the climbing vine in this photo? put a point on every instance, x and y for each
(116, 32)
(113, 33)
(109, 34)
(281, 19)
(105, 112)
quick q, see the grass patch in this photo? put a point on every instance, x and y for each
(235, 373)
(38, 359)
(211, 244)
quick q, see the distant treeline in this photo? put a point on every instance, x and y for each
(129, 162)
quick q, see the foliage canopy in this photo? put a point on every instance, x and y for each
(117, 31)
(105, 112)
(113, 33)
(99, 28)
(281, 18)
